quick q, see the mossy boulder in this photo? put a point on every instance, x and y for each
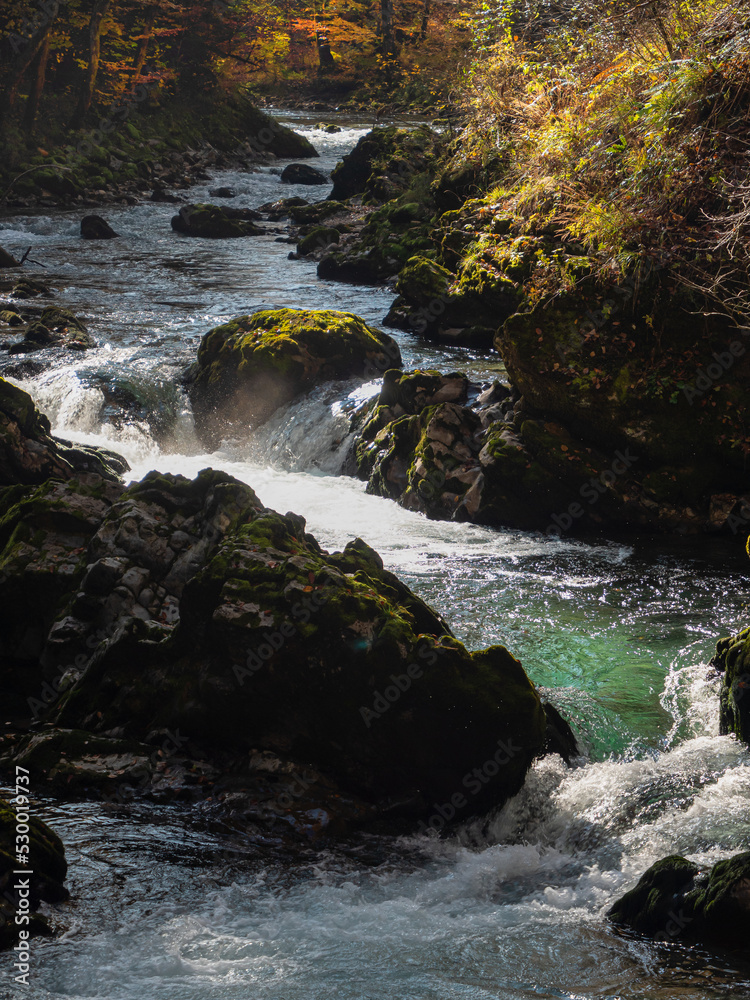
(318, 239)
(282, 646)
(29, 454)
(187, 606)
(465, 307)
(676, 901)
(46, 863)
(216, 222)
(384, 162)
(249, 367)
(732, 659)
(653, 372)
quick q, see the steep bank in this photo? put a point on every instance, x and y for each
(143, 149)
(614, 291)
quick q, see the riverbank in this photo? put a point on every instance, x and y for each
(142, 150)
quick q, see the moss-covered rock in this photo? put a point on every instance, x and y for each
(187, 606)
(216, 222)
(254, 364)
(732, 659)
(384, 162)
(318, 239)
(676, 901)
(28, 454)
(47, 869)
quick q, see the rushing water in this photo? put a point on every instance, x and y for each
(165, 907)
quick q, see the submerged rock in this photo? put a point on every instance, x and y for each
(301, 173)
(215, 222)
(94, 227)
(56, 327)
(249, 367)
(676, 901)
(47, 869)
(188, 607)
(28, 454)
(223, 192)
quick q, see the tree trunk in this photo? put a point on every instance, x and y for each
(425, 19)
(386, 24)
(32, 101)
(324, 52)
(27, 53)
(101, 8)
(140, 58)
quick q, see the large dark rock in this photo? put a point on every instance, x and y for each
(7, 260)
(47, 869)
(94, 227)
(732, 660)
(187, 606)
(249, 367)
(676, 901)
(215, 222)
(28, 454)
(384, 163)
(301, 173)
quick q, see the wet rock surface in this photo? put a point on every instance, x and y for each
(677, 901)
(249, 367)
(29, 454)
(46, 866)
(187, 608)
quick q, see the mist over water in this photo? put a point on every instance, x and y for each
(618, 635)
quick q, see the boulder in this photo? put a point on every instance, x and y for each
(7, 260)
(732, 660)
(214, 222)
(330, 129)
(56, 327)
(28, 454)
(46, 863)
(29, 288)
(676, 901)
(94, 227)
(384, 163)
(249, 367)
(187, 606)
(223, 192)
(318, 239)
(301, 173)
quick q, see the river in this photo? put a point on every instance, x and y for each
(617, 633)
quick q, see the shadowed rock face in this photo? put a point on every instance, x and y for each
(186, 605)
(47, 870)
(249, 367)
(28, 454)
(676, 901)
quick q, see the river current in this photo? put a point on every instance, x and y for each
(618, 635)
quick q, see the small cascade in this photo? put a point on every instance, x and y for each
(312, 434)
